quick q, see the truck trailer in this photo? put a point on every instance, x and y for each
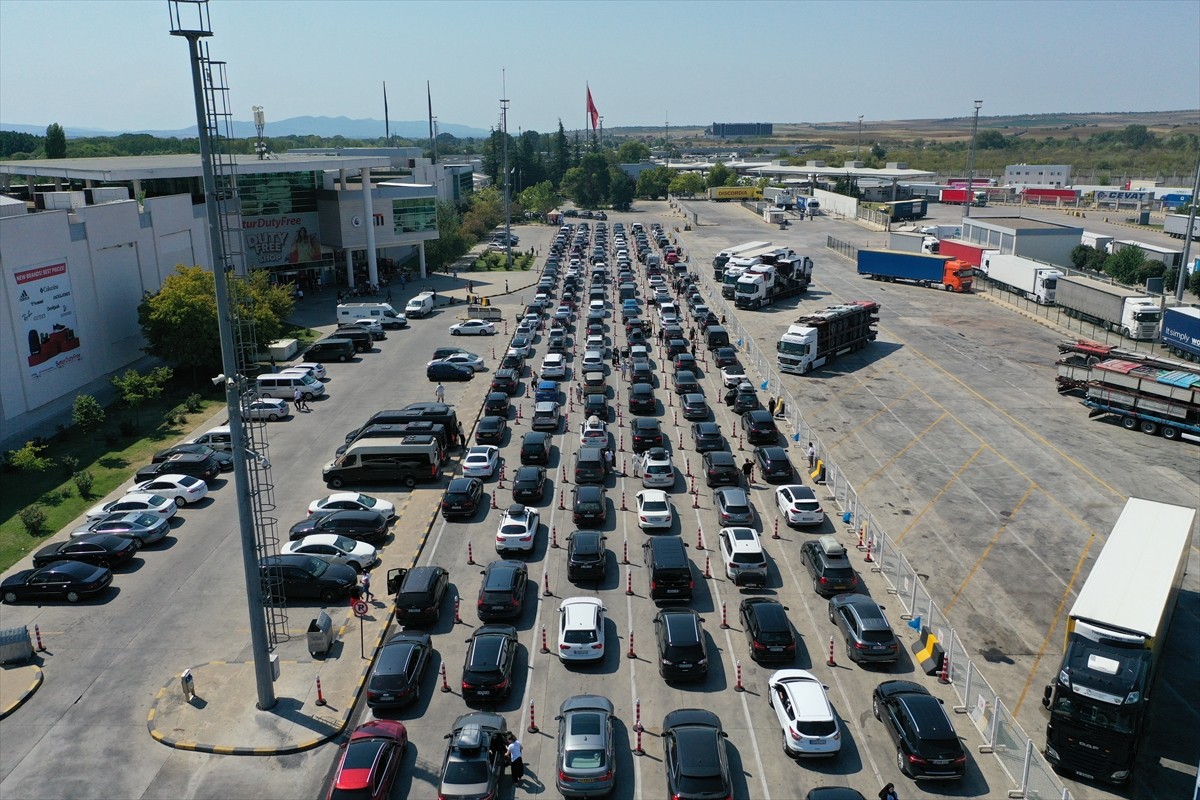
(1080, 355)
(1030, 279)
(730, 252)
(973, 254)
(900, 210)
(1038, 195)
(963, 195)
(1099, 241)
(1099, 703)
(941, 271)
(720, 194)
(814, 339)
(1176, 226)
(736, 267)
(1171, 258)
(763, 285)
(1147, 397)
(1127, 311)
(1181, 332)
(911, 242)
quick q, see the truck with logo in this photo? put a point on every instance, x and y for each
(722, 258)
(927, 270)
(1030, 279)
(721, 194)
(760, 286)
(1119, 308)
(814, 339)
(1181, 332)
(1100, 700)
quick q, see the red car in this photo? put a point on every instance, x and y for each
(370, 761)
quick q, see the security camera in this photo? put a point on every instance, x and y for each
(217, 381)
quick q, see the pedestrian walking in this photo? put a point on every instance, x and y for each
(514, 758)
(533, 377)
(812, 456)
(298, 399)
(439, 393)
(608, 458)
(771, 406)
(462, 437)
(470, 286)
(506, 285)
(625, 370)
(748, 471)
(889, 792)
(365, 580)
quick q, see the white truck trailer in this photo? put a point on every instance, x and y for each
(1030, 279)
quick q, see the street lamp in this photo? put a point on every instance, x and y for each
(971, 161)
(858, 153)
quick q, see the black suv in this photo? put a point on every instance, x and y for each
(589, 506)
(535, 448)
(926, 745)
(706, 436)
(668, 569)
(694, 755)
(686, 382)
(419, 592)
(721, 469)
(595, 405)
(496, 404)
(198, 465)
(759, 427)
(365, 526)
(505, 380)
(491, 430)
(641, 399)
(224, 460)
(641, 375)
(488, 667)
(502, 592)
(646, 433)
(773, 463)
(529, 484)
(768, 631)
(587, 557)
(829, 566)
(869, 636)
(682, 654)
(462, 498)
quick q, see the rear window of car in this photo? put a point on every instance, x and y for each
(748, 558)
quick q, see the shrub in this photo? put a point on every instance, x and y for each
(70, 463)
(83, 482)
(193, 402)
(30, 459)
(87, 413)
(33, 518)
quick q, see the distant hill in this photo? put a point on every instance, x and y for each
(296, 126)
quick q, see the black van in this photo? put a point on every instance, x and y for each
(716, 336)
(668, 568)
(361, 338)
(380, 430)
(590, 466)
(430, 413)
(333, 348)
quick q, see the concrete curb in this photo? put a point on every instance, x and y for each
(38, 678)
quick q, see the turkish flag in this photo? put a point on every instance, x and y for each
(591, 109)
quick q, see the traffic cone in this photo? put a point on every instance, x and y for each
(470, 554)
(533, 728)
(445, 683)
(320, 694)
(831, 662)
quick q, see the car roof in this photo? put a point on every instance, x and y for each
(581, 612)
(528, 472)
(460, 484)
(535, 436)
(744, 540)
(589, 492)
(720, 458)
(501, 575)
(769, 612)
(734, 495)
(682, 624)
(807, 693)
(773, 451)
(646, 423)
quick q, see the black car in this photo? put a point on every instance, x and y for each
(676, 346)
(595, 405)
(773, 464)
(366, 526)
(721, 469)
(506, 380)
(725, 357)
(97, 549)
(706, 436)
(695, 407)
(587, 556)
(682, 653)
(462, 498)
(833, 793)
(589, 505)
(686, 382)
(443, 371)
(502, 592)
(758, 427)
(198, 465)
(745, 401)
(646, 433)
(419, 592)
(224, 460)
(496, 405)
(829, 566)
(868, 634)
(491, 430)
(636, 336)
(694, 756)
(296, 576)
(926, 745)
(488, 667)
(558, 341)
(641, 374)
(768, 631)
(641, 399)
(512, 362)
(686, 361)
(399, 670)
(59, 580)
(535, 448)
(529, 484)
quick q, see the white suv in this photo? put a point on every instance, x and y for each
(554, 367)
(581, 629)
(799, 505)
(742, 552)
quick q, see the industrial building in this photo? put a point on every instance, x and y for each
(727, 130)
(1055, 176)
(1031, 238)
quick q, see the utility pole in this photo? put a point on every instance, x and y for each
(858, 153)
(971, 162)
(504, 135)
(1187, 240)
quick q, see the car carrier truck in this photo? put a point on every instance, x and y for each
(763, 285)
(927, 270)
(1032, 280)
(723, 257)
(1100, 700)
(1147, 397)
(1125, 310)
(1080, 355)
(814, 339)
(736, 266)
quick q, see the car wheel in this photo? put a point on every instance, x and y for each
(72, 597)
(336, 483)
(902, 763)
(328, 595)
(455, 332)
(179, 501)
(354, 565)
(275, 417)
(342, 358)
(875, 708)
(138, 544)
(10, 597)
(410, 482)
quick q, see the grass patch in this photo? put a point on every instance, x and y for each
(492, 261)
(108, 455)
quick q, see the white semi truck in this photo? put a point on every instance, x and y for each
(1119, 308)
(1030, 279)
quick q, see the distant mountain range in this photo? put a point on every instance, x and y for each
(295, 126)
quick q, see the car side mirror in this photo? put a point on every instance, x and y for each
(558, 718)
(482, 571)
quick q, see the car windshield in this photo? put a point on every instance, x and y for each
(878, 637)
(653, 506)
(466, 773)
(658, 469)
(692, 785)
(579, 636)
(587, 505)
(584, 759)
(344, 543)
(748, 558)
(513, 529)
(816, 727)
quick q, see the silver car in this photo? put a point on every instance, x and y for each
(587, 766)
(733, 506)
(143, 527)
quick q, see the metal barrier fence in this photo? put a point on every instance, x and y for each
(1003, 737)
(843, 249)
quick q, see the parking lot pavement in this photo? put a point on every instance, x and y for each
(18, 682)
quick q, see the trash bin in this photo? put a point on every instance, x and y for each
(320, 635)
(15, 645)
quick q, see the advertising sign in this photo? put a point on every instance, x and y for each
(278, 240)
(42, 302)
(1124, 197)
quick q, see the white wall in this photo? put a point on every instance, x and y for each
(1052, 247)
(832, 203)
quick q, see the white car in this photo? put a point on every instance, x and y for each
(732, 376)
(595, 342)
(481, 461)
(335, 549)
(312, 368)
(541, 300)
(581, 629)
(525, 329)
(743, 556)
(656, 281)
(469, 360)
(155, 504)
(810, 728)
(595, 433)
(266, 408)
(639, 354)
(799, 505)
(563, 313)
(657, 470)
(352, 501)
(517, 530)
(654, 509)
(554, 367)
(182, 489)
(597, 305)
(473, 327)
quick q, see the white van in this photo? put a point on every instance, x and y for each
(218, 438)
(420, 306)
(383, 313)
(283, 386)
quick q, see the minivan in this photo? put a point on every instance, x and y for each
(386, 460)
(716, 336)
(420, 306)
(362, 339)
(332, 348)
(590, 466)
(284, 386)
(383, 313)
(668, 568)
(380, 430)
(218, 438)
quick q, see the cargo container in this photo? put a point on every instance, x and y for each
(1171, 258)
(1047, 195)
(963, 195)
(905, 242)
(814, 339)
(721, 194)
(964, 251)
(1119, 308)
(1099, 241)
(940, 270)
(1174, 199)
(1176, 225)
(1181, 332)
(1032, 280)
(900, 210)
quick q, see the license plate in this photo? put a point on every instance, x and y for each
(672, 591)
(775, 649)
(585, 780)
(385, 697)
(817, 741)
(483, 692)
(685, 666)
(940, 762)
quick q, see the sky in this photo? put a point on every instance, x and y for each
(114, 66)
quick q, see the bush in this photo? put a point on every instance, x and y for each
(33, 518)
(70, 463)
(30, 459)
(87, 413)
(83, 482)
(173, 416)
(193, 403)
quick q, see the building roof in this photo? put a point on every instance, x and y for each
(850, 172)
(116, 169)
(1022, 224)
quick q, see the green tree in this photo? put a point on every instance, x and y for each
(687, 184)
(878, 152)
(539, 198)
(654, 183)
(719, 175)
(87, 413)
(847, 186)
(452, 242)
(30, 459)
(1193, 284)
(485, 212)
(632, 151)
(991, 140)
(1123, 266)
(620, 189)
(588, 183)
(1151, 269)
(56, 141)
(135, 388)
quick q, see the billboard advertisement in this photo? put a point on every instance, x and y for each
(280, 240)
(42, 302)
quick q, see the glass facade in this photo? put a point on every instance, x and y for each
(414, 215)
(278, 193)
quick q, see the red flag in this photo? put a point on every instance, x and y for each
(591, 109)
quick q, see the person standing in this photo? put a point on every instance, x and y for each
(514, 758)
(748, 471)
(889, 792)
(298, 399)
(366, 586)
(608, 458)
(812, 456)
(771, 406)
(439, 393)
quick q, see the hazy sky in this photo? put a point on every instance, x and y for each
(113, 65)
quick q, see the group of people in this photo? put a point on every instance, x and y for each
(508, 747)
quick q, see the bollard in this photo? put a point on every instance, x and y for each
(638, 750)
(631, 654)
(320, 694)
(739, 687)
(517, 421)
(696, 500)
(546, 585)
(564, 473)
(629, 582)
(740, 445)
(623, 507)
(623, 472)
(676, 419)
(545, 648)
(470, 555)
(862, 530)
(494, 505)
(621, 442)
(637, 714)
(445, 683)
(533, 728)
(944, 672)
(670, 399)
(37, 635)
(457, 615)
(493, 354)
(707, 571)
(625, 551)
(831, 662)
(554, 537)
(868, 559)
(560, 500)
(775, 535)
(688, 462)
(680, 447)
(700, 538)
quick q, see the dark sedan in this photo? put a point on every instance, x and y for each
(694, 406)
(926, 744)
(759, 427)
(443, 371)
(488, 668)
(589, 506)
(307, 576)
(587, 556)
(707, 436)
(502, 592)
(725, 357)
(366, 526)
(505, 380)
(694, 755)
(496, 404)
(60, 580)
(529, 484)
(97, 549)
(491, 430)
(462, 498)
(399, 670)
(641, 399)
(535, 448)
(224, 460)
(646, 433)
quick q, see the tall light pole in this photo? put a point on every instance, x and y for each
(504, 135)
(971, 161)
(858, 153)
(260, 125)
(1187, 240)
(601, 118)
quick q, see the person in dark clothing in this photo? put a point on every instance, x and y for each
(748, 471)
(889, 792)
(730, 396)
